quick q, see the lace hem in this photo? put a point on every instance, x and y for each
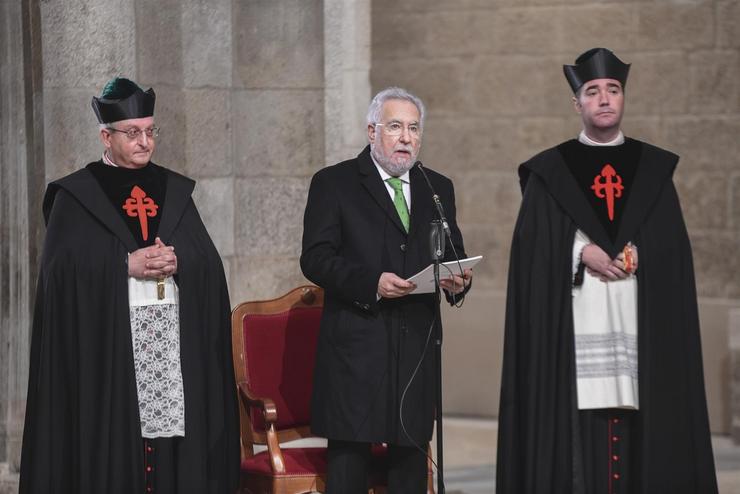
(155, 333)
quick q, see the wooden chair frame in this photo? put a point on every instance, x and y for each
(306, 296)
(303, 296)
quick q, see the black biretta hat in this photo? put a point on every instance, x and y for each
(596, 63)
(123, 99)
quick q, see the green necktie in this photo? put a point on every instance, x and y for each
(400, 201)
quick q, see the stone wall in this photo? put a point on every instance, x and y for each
(735, 374)
(346, 77)
(490, 73)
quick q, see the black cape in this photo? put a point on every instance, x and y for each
(538, 445)
(82, 431)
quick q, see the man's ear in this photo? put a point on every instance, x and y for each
(576, 104)
(105, 136)
(371, 133)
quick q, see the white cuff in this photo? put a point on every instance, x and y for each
(581, 240)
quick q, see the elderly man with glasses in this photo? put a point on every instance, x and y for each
(131, 388)
(366, 230)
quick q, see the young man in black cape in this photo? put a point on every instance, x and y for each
(602, 388)
(131, 388)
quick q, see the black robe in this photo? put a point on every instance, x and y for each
(82, 431)
(539, 448)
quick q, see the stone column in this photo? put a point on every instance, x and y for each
(277, 115)
(346, 76)
(85, 43)
(21, 187)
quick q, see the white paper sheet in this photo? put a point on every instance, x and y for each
(424, 279)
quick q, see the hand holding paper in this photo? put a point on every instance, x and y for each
(391, 285)
(424, 279)
(456, 283)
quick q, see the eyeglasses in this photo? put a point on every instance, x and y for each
(134, 133)
(396, 129)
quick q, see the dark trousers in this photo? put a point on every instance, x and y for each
(350, 464)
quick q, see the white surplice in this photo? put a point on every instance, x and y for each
(605, 329)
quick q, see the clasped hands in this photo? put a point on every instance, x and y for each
(153, 262)
(391, 285)
(599, 264)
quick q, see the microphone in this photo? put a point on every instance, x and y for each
(435, 198)
(437, 240)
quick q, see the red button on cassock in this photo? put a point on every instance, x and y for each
(615, 458)
(616, 476)
(149, 449)
(615, 439)
(148, 469)
(615, 421)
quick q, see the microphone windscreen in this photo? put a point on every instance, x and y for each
(436, 240)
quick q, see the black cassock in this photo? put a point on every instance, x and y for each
(539, 449)
(368, 349)
(82, 431)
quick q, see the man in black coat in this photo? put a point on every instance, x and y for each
(131, 388)
(602, 387)
(374, 375)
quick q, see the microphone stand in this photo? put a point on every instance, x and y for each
(439, 228)
(440, 232)
(437, 247)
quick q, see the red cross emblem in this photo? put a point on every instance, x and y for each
(142, 206)
(611, 188)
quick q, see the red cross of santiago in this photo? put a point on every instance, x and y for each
(142, 206)
(611, 188)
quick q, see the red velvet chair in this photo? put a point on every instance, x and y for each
(274, 346)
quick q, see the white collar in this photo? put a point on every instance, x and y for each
(584, 139)
(107, 160)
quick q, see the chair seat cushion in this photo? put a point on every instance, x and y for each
(298, 461)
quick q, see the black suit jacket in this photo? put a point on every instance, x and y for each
(368, 349)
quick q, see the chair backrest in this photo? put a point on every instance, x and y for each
(274, 346)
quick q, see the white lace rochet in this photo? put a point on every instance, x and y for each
(155, 334)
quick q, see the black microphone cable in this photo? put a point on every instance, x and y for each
(403, 398)
(448, 234)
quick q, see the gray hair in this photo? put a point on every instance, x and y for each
(376, 105)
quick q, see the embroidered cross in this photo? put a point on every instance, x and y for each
(611, 188)
(142, 206)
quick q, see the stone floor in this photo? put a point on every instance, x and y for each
(470, 450)
(470, 456)
(8, 481)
